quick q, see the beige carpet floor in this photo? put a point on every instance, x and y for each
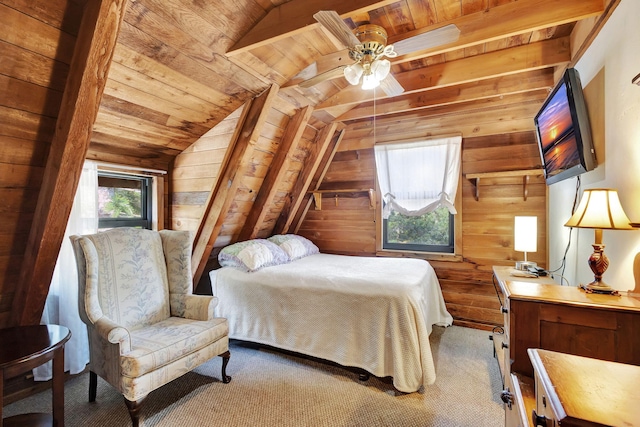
(271, 388)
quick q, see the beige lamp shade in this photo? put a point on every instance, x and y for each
(600, 208)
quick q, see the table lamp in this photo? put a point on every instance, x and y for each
(525, 239)
(599, 209)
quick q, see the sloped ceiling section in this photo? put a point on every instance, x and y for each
(507, 54)
(178, 68)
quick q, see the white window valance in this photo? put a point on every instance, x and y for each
(416, 178)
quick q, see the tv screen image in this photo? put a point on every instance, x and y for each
(563, 131)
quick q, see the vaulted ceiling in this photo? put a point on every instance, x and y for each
(138, 82)
(182, 66)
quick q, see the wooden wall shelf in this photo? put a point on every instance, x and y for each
(525, 174)
(317, 196)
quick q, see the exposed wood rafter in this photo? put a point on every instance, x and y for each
(313, 162)
(506, 20)
(80, 102)
(519, 59)
(278, 169)
(318, 177)
(292, 17)
(451, 95)
(227, 184)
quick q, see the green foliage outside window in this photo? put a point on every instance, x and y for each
(124, 203)
(429, 229)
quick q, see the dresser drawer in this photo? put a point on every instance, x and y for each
(521, 393)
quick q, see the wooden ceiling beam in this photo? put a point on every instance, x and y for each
(229, 178)
(500, 86)
(318, 177)
(477, 119)
(278, 169)
(299, 190)
(80, 102)
(492, 24)
(533, 56)
(296, 16)
(505, 21)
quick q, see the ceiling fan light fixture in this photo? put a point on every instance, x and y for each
(380, 68)
(353, 73)
(369, 81)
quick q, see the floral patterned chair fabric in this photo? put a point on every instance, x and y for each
(145, 326)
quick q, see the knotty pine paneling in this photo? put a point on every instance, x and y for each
(195, 171)
(33, 74)
(487, 224)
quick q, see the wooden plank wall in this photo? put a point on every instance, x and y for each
(346, 223)
(33, 74)
(487, 224)
(195, 172)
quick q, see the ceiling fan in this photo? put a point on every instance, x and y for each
(368, 48)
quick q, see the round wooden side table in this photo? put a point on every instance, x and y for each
(22, 348)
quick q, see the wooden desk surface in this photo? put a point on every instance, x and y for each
(581, 388)
(545, 289)
(22, 348)
(23, 344)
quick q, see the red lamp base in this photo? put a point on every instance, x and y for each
(598, 262)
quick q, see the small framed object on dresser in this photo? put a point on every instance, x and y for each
(539, 313)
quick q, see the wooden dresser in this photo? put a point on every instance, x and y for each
(539, 313)
(576, 391)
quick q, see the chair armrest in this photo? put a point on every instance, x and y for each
(113, 333)
(196, 307)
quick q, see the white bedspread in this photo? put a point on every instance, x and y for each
(365, 312)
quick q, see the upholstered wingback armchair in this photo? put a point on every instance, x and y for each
(145, 326)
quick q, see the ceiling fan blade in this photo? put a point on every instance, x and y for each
(391, 86)
(336, 26)
(327, 75)
(443, 35)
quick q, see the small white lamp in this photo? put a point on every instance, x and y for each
(525, 239)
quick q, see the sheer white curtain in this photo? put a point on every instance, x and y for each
(418, 177)
(61, 307)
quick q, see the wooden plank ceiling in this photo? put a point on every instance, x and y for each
(180, 67)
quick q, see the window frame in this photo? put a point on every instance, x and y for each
(147, 206)
(456, 256)
(441, 249)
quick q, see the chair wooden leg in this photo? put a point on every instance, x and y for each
(134, 410)
(225, 360)
(93, 386)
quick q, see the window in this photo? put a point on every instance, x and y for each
(419, 182)
(431, 232)
(124, 201)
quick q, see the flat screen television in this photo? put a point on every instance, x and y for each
(563, 131)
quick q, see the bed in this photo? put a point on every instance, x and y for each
(371, 313)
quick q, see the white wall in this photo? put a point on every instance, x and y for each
(616, 49)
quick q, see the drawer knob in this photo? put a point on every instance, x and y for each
(504, 310)
(507, 397)
(539, 420)
(504, 344)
